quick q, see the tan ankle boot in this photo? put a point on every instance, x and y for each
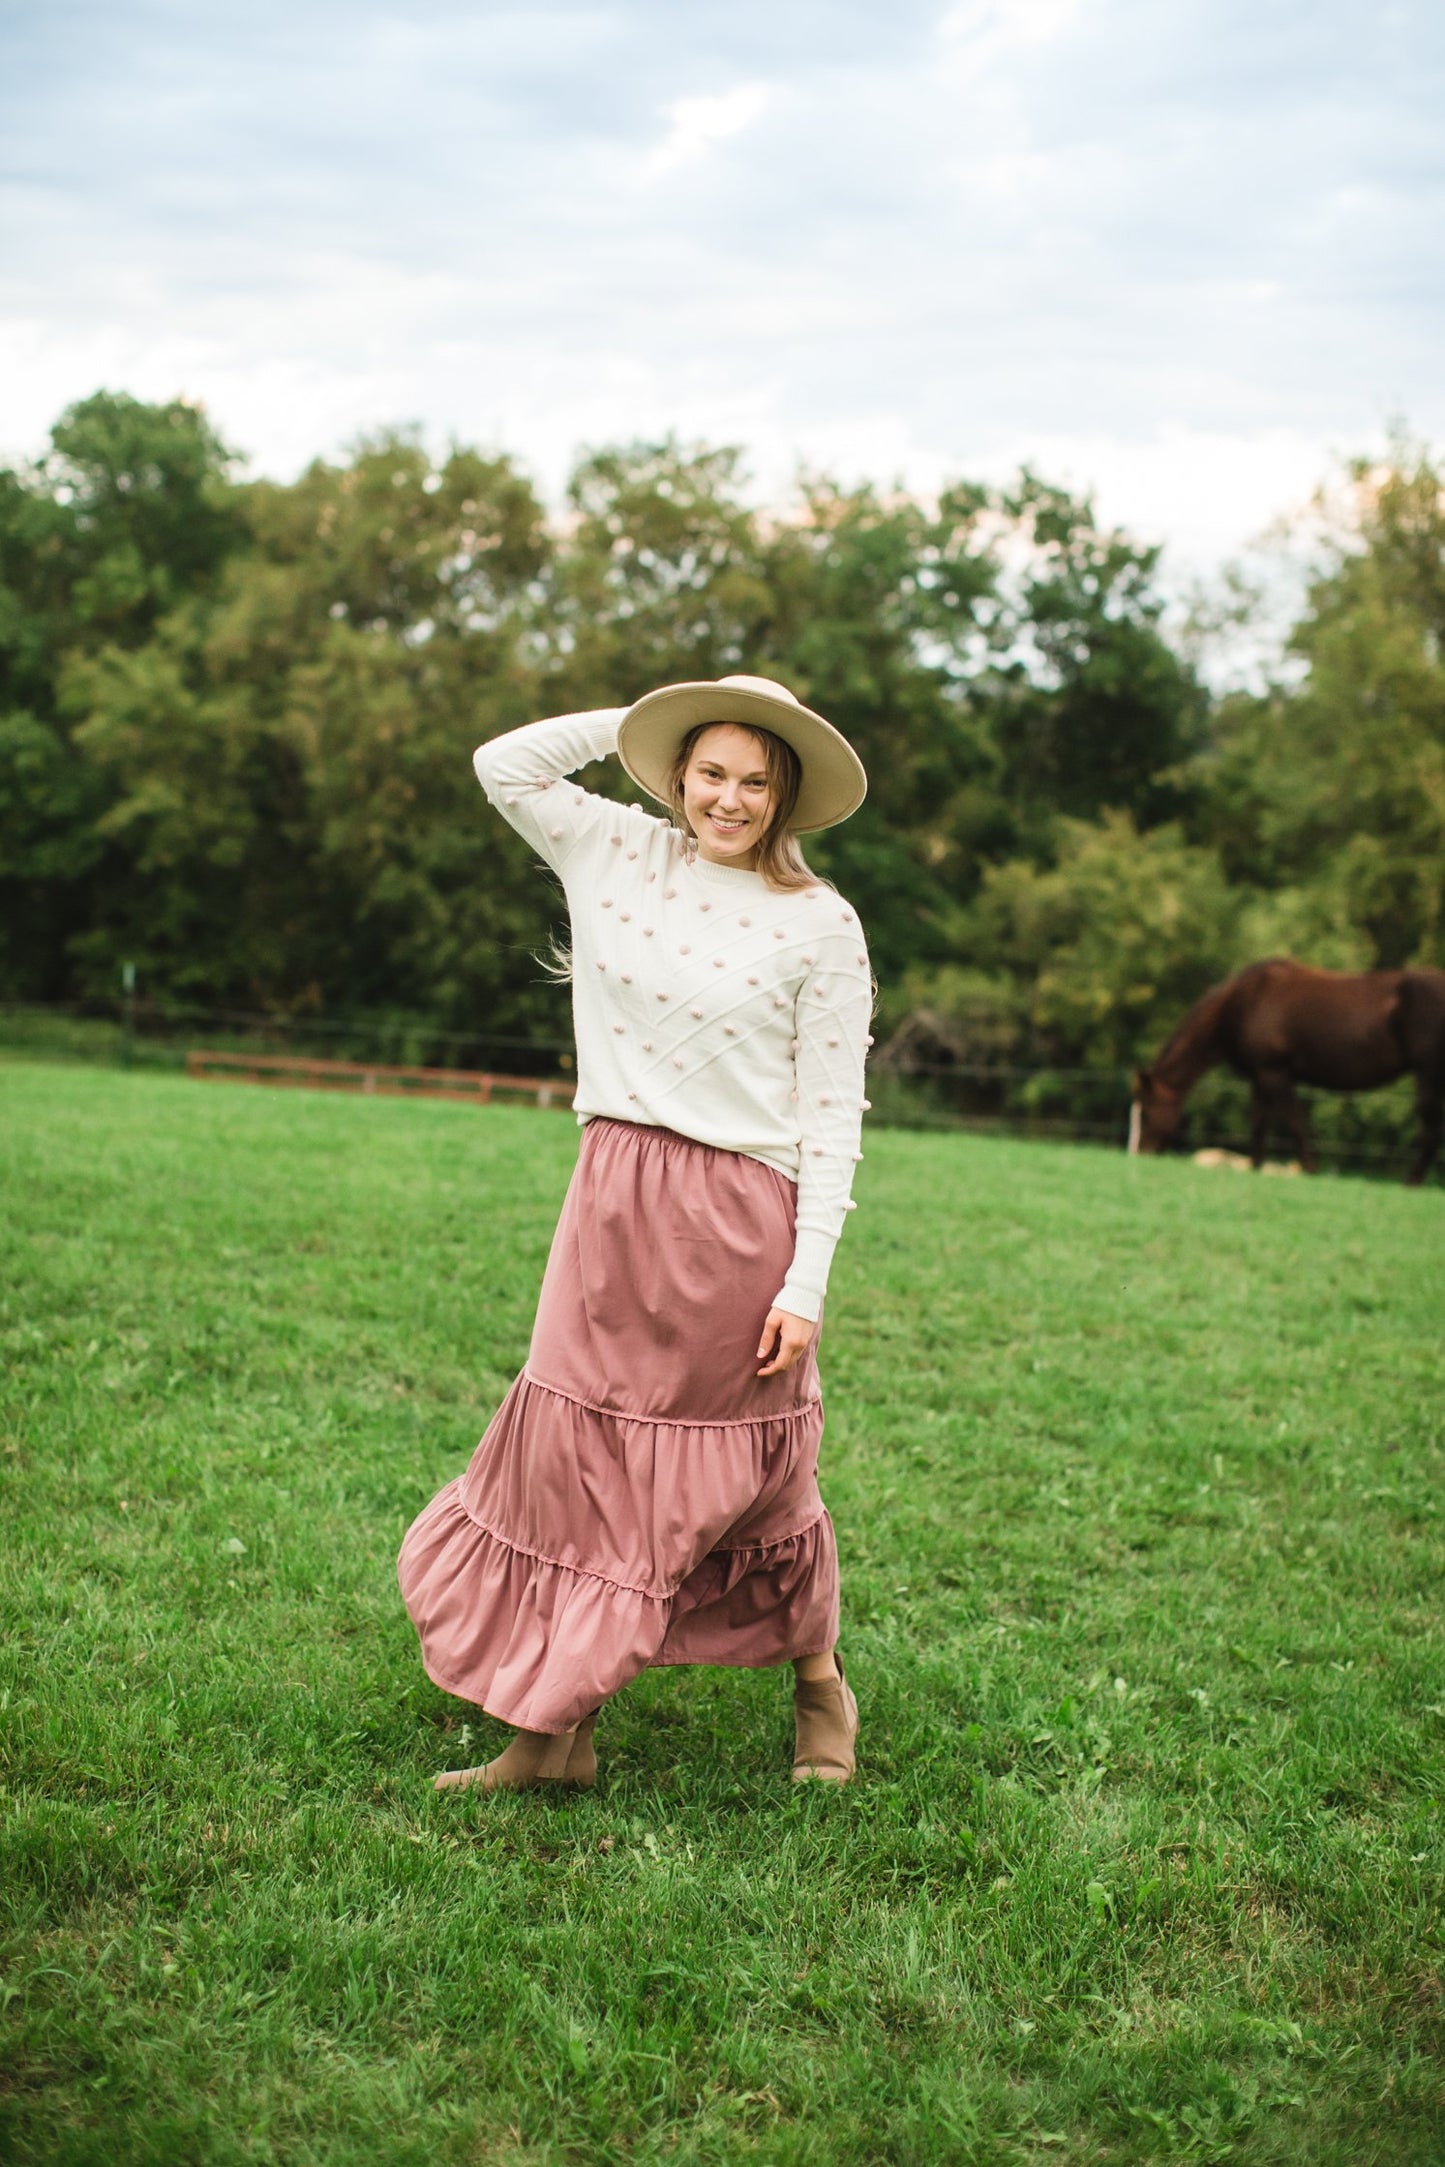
(533, 1758)
(825, 1719)
(582, 1760)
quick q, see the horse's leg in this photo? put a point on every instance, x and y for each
(1298, 1122)
(1275, 1105)
(1430, 1109)
(1261, 1107)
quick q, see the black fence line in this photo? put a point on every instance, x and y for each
(1056, 1128)
(102, 1009)
(1059, 1128)
(133, 1015)
(996, 1072)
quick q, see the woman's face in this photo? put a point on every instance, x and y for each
(725, 795)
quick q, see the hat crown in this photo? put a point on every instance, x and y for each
(769, 686)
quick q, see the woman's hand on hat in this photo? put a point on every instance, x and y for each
(786, 1338)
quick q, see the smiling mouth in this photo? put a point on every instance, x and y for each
(726, 827)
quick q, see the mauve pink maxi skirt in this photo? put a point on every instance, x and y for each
(641, 1495)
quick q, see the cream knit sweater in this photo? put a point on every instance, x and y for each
(703, 1000)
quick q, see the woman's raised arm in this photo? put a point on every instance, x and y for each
(524, 774)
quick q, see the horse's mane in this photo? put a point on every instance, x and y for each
(1183, 1042)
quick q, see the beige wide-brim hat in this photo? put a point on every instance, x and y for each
(833, 786)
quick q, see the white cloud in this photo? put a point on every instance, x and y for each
(695, 125)
(1209, 492)
(1175, 254)
(979, 33)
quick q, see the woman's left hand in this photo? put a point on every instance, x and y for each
(788, 1337)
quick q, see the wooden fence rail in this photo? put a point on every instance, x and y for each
(298, 1073)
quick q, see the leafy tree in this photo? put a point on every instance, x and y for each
(1109, 946)
(658, 576)
(149, 517)
(1092, 708)
(287, 765)
(235, 720)
(878, 612)
(128, 514)
(1334, 784)
(866, 606)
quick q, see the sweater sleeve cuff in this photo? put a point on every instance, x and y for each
(800, 1301)
(807, 1278)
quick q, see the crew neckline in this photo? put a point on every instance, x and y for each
(725, 875)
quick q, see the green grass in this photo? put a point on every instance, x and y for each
(1136, 1470)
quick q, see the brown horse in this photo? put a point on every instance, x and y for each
(1279, 1024)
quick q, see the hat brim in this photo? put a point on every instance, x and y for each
(834, 783)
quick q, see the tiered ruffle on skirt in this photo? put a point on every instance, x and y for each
(641, 1495)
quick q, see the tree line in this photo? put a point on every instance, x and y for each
(236, 719)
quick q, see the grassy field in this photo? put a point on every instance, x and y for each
(1136, 1471)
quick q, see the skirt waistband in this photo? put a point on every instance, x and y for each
(643, 1132)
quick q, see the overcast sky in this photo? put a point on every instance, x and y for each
(1180, 251)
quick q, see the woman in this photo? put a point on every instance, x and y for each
(647, 1492)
